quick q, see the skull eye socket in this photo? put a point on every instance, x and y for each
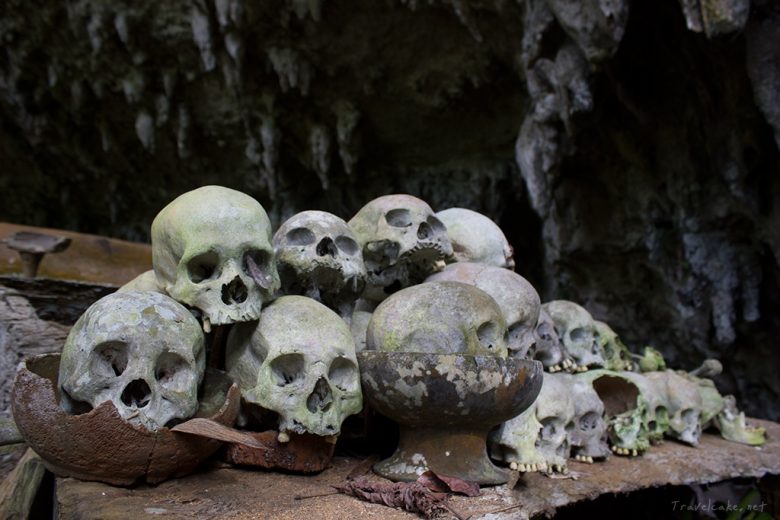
(399, 218)
(171, 370)
(662, 414)
(300, 237)
(203, 266)
(487, 334)
(346, 244)
(589, 421)
(287, 369)
(579, 334)
(343, 374)
(436, 225)
(109, 359)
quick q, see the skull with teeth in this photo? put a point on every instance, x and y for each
(616, 355)
(684, 404)
(317, 256)
(299, 361)
(402, 241)
(140, 350)
(547, 346)
(625, 409)
(439, 318)
(577, 332)
(211, 250)
(476, 238)
(538, 439)
(518, 300)
(589, 435)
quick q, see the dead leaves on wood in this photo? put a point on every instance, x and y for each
(427, 496)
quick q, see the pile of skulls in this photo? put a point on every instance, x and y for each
(284, 314)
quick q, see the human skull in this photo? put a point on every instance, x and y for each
(684, 404)
(297, 360)
(538, 439)
(476, 238)
(655, 414)
(516, 297)
(140, 350)
(402, 241)
(317, 256)
(439, 318)
(616, 355)
(211, 250)
(589, 435)
(577, 332)
(547, 346)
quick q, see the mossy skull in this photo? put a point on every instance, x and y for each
(211, 250)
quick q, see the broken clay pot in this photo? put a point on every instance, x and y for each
(303, 453)
(445, 405)
(100, 445)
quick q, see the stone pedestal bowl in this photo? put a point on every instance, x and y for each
(445, 405)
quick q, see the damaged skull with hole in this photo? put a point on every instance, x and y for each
(140, 350)
(539, 438)
(211, 250)
(318, 256)
(299, 362)
(402, 241)
(476, 238)
(577, 332)
(516, 297)
(547, 346)
(439, 318)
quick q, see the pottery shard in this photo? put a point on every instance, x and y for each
(99, 445)
(304, 453)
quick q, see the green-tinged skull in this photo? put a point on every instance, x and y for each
(616, 354)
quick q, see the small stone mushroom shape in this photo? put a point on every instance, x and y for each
(403, 242)
(476, 238)
(439, 318)
(297, 360)
(211, 250)
(516, 297)
(318, 256)
(142, 351)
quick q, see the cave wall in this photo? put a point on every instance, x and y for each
(629, 149)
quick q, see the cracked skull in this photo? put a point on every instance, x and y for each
(140, 350)
(577, 332)
(516, 297)
(211, 250)
(402, 241)
(299, 361)
(476, 238)
(318, 256)
(439, 318)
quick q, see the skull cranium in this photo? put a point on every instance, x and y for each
(140, 350)
(577, 333)
(476, 238)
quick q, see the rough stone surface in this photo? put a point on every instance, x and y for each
(644, 182)
(238, 494)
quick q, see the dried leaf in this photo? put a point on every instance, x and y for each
(413, 497)
(448, 484)
(214, 430)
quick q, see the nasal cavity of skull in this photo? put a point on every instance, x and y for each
(300, 237)
(399, 218)
(588, 421)
(617, 394)
(203, 267)
(487, 334)
(321, 397)
(343, 374)
(137, 394)
(109, 359)
(171, 370)
(550, 429)
(326, 247)
(287, 369)
(347, 245)
(234, 292)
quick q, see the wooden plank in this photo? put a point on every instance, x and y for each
(18, 490)
(224, 492)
